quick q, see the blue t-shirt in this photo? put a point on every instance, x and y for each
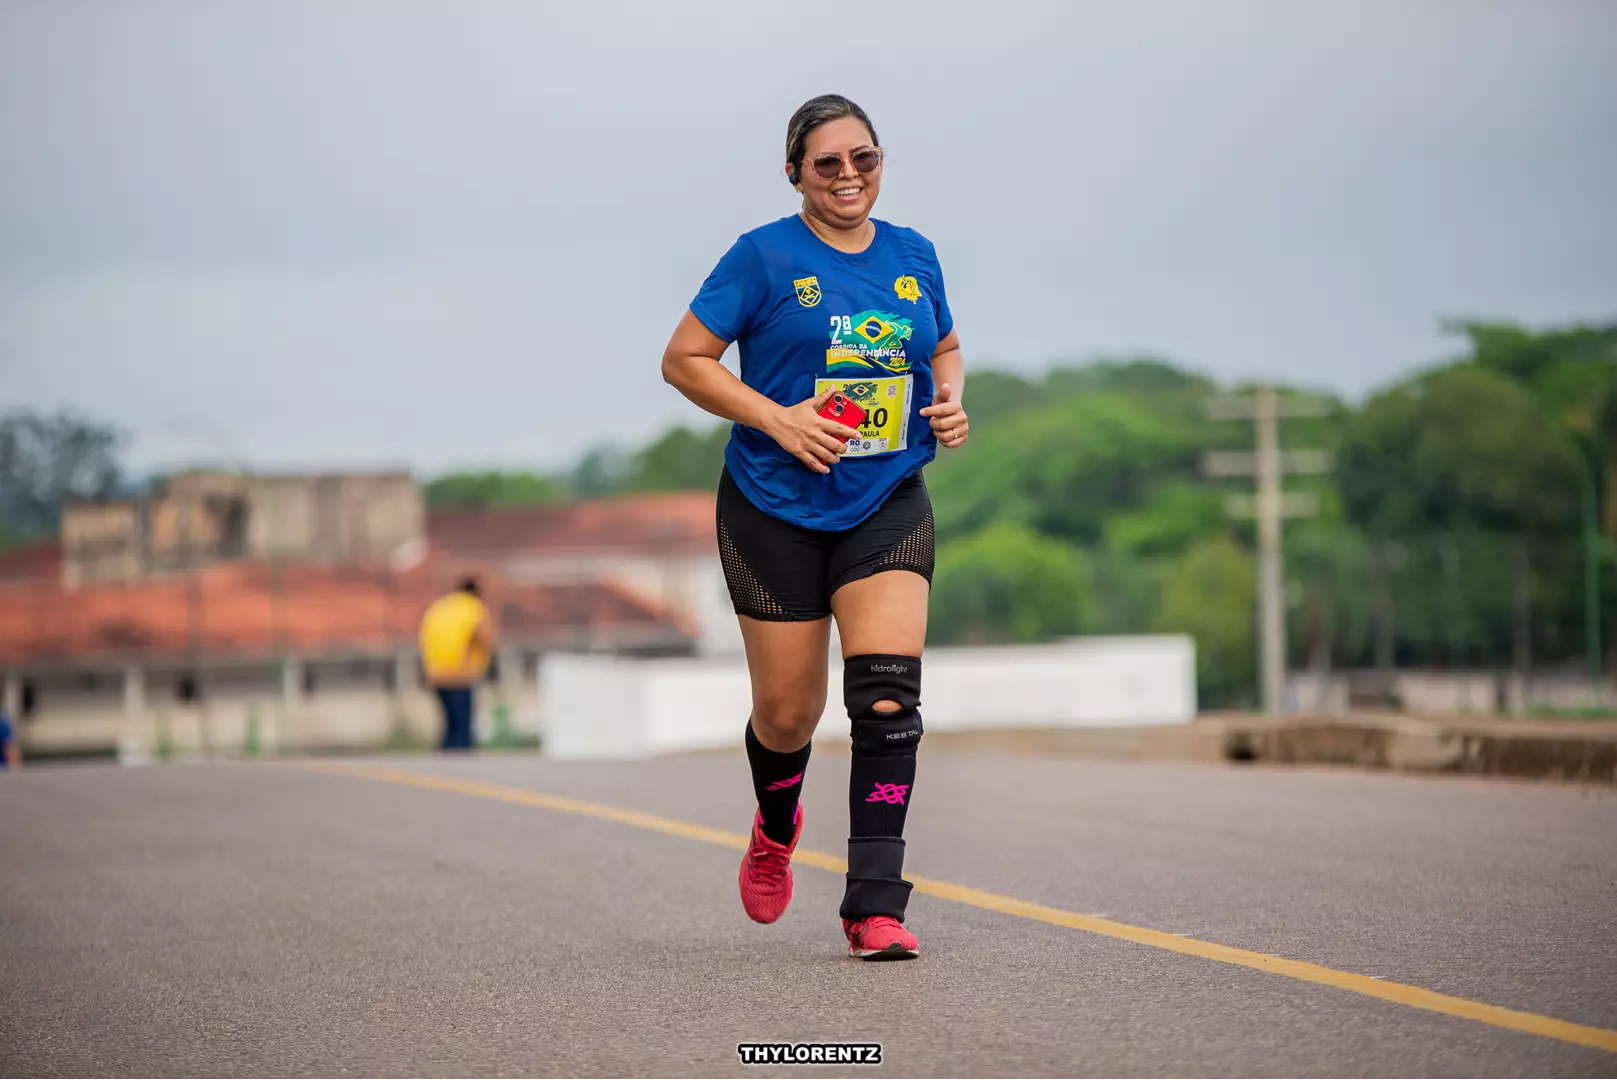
(808, 317)
(6, 735)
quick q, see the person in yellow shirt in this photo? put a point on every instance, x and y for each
(457, 640)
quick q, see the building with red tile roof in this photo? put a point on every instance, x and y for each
(634, 574)
(236, 612)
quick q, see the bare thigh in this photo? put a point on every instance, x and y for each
(884, 613)
(788, 665)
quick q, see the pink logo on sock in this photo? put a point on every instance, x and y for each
(889, 793)
(782, 785)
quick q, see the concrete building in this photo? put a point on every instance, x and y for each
(230, 612)
(204, 518)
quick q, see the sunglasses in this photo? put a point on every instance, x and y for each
(865, 160)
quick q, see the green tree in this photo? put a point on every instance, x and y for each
(992, 394)
(1008, 584)
(1566, 369)
(684, 459)
(1128, 588)
(1328, 570)
(1605, 433)
(46, 459)
(604, 470)
(1605, 420)
(1459, 478)
(494, 490)
(10, 538)
(1062, 468)
(1462, 448)
(1173, 515)
(1145, 376)
(1210, 593)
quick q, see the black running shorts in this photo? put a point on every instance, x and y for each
(780, 572)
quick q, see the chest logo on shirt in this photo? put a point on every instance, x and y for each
(907, 288)
(868, 342)
(808, 290)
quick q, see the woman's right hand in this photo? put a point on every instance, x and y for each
(809, 437)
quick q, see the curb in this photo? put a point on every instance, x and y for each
(1584, 751)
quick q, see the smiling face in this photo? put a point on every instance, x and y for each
(845, 200)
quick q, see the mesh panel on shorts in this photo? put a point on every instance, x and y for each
(916, 552)
(747, 593)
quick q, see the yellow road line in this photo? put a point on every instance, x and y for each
(1413, 996)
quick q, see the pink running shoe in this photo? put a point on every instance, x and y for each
(766, 872)
(880, 938)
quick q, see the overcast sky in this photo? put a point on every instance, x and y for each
(325, 234)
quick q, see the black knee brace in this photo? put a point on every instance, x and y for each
(875, 877)
(879, 677)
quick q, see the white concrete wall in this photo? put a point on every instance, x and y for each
(719, 633)
(1447, 692)
(357, 718)
(1320, 694)
(604, 707)
(1441, 692)
(349, 708)
(1567, 692)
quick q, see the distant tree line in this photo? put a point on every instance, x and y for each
(46, 459)
(1452, 532)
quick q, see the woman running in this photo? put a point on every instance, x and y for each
(838, 317)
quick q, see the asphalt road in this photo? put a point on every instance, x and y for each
(255, 919)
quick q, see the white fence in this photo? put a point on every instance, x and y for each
(595, 707)
(1448, 692)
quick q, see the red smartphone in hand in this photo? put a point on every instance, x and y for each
(844, 410)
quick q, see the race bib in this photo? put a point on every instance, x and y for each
(886, 427)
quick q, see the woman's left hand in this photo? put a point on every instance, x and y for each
(948, 418)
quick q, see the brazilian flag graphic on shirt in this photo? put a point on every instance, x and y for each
(871, 341)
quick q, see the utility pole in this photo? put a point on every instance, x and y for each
(1268, 465)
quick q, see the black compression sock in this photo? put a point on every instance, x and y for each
(777, 779)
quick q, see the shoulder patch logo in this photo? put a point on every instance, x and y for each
(907, 288)
(808, 290)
